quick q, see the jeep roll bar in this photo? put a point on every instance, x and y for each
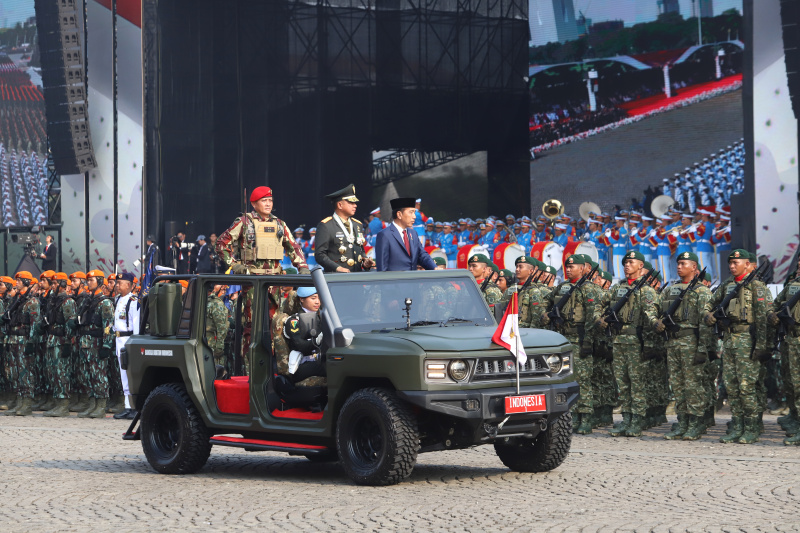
(334, 334)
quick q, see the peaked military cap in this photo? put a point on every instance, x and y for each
(633, 254)
(348, 193)
(688, 256)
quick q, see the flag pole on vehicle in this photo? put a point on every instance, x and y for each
(508, 331)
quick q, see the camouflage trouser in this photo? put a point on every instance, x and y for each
(5, 386)
(603, 385)
(687, 379)
(79, 383)
(96, 369)
(792, 349)
(661, 381)
(26, 368)
(582, 367)
(114, 377)
(711, 372)
(10, 370)
(58, 370)
(41, 384)
(741, 375)
(630, 374)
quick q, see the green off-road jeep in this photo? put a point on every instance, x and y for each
(410, 367)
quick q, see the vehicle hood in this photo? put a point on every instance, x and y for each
(472, 338)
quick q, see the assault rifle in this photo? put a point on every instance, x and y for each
(485, 283)
(786, 320)
(611, 314)
(664, 286)
(723, 320)
(555, 313)
(667, 316)
(20, 300)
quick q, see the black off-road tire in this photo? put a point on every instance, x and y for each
(541, 454)
(377, 437)
(174, 438)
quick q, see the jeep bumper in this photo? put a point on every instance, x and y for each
(484, 409)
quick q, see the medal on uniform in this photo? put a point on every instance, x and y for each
(350, 262)
(350, 245)
(343, 259)
(359, 258)
(342, 249)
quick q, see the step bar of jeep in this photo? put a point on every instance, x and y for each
(267, 445)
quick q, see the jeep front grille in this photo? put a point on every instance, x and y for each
(503, 368)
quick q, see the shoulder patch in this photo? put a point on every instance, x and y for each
(355, 220)
(326, 220)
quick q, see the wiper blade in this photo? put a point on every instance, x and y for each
(456, 319)
(424, 323)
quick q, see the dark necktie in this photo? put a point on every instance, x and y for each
(405, 241)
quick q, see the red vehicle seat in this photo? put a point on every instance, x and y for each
(233, 395)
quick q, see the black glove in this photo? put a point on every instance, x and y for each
(700, 358)
(105, 352)
(30, 348)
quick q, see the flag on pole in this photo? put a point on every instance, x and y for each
(507, 332)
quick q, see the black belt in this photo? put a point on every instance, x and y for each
(123, 333)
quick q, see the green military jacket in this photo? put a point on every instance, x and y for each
(216, 324)
(749, 309)
(641, 311)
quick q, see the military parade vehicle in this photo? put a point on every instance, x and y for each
(410, 366)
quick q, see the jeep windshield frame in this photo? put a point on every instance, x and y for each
(375, 301)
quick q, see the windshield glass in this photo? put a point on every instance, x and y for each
(381, 304)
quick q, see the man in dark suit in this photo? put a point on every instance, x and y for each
(397, 246)
(203, 258)
(49, 255)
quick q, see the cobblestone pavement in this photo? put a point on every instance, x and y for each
(78, 475)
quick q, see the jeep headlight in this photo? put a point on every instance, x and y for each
(555, 363)
(458, 369)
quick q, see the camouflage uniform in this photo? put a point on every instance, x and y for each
(579, 311)
(24, 349)
(744, 343)
(237, 246)
(42, 384)
(217, 328)
(492, 294)
(96, 342)
(790, 352)
(687, 356)
(532, 305)
(604, 386)
(639, 313)
(58, 341)
(79, 383)
(5, 383)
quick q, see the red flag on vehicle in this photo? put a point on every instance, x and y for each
(507, 332)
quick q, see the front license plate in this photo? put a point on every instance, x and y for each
(534, 403)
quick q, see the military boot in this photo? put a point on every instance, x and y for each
(36, 403)
(89, 409)
(661, 415)
(696, 428)
(25, 408)
(607, 417)
(99, 410)
(679, 428)
(647, 419)
(791, 417)
(12, 408)
(116, 405)
(751, 432)
(636, 427)
(61, 408)
(619, 429)
(737, 428)
(81, 403)
(49, 404)
(708, 418)
(792, 441)
(791, 426)
(597, 417)
(585, 426)
(5, 399)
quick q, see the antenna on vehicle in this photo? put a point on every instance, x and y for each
(408, 303)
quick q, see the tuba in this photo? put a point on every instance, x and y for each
(660, 205)
(552, 209)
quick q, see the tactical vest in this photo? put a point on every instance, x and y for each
(20, 318)
(54, 315)
(790, 292)
(686, 312)
(740, 309)
(630, 314)
(90, 319)
(262, 240)
(574, 311)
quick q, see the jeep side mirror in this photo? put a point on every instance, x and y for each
(342, 337)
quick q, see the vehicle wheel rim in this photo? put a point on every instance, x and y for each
(165, 436)
(366, 444)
